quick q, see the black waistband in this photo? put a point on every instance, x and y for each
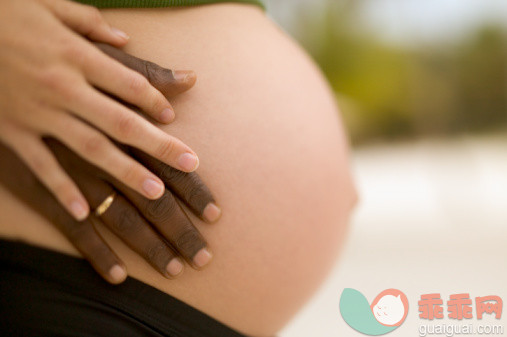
(55, 294)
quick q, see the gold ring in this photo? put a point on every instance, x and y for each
(104, 206)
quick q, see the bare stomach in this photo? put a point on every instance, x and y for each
(271, 148)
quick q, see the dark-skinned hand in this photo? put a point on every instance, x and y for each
(158, 230)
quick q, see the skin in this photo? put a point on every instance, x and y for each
(272, 149)
(157, 230)
(58, 89)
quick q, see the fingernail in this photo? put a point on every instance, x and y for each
(202, 258)
(79, 211)
(117, 273)
(120, 33)
(167, 115)
(175, 267)
(153, 188)
(188, 162)
(211, 212)
(183, 75)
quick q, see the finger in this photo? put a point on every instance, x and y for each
(44, 165)
(126, 84)
(26, 186)
(169, 82)
(187, 186)
(129, 128)
(86, 20)
(121, 217)
(94, 248)
(171, 221)
(125, 221)
(100, 151)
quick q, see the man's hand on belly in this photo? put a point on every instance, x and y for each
(158, 230)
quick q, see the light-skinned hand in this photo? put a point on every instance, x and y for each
(55, 83)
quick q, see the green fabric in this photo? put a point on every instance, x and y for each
(159, 3)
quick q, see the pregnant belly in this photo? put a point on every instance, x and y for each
(271, 148)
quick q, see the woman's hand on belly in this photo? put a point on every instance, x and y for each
(53, 82)
(127, 212)
(127, 215)
(274, 154)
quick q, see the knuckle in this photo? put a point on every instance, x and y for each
(150, 70)
(126, 126)
(171, 174)
(196, 192)
(158, 252)
(128, 222)
(137, 83)
(131, 174)
(189, 241)
(162, 209)
(53, 78)
(93, 145)
(190, 188)
(199, 200)
(166, 149)
(155, 74)
(68, 92)
(74, 53)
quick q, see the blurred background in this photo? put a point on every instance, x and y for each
(422, 86)
(405, 69)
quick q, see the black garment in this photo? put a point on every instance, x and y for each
(45, 293)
